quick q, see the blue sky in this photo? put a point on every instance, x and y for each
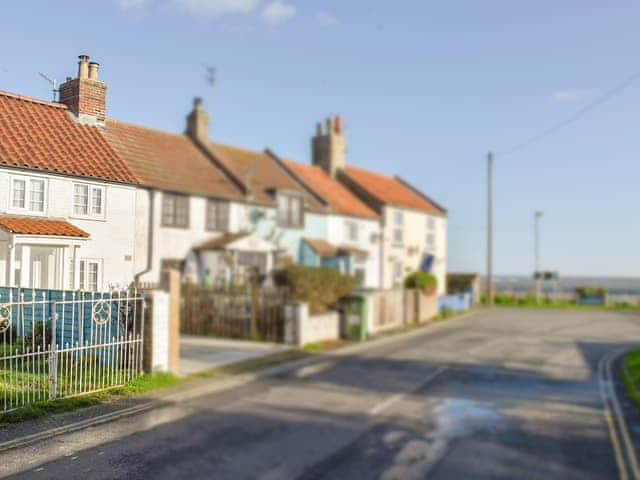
(425, 89)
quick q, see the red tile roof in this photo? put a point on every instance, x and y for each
(169, 161)
(41, 226)
(322, 247)
(261, 174)
(325, 249)
(392, 191)
(219, 243)
(40, 135)
(339, 198)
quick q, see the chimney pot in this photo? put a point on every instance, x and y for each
(83, 66)
(329, 125)
(338, 125)
(93, 70)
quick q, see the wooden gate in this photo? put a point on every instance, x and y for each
(245, 313)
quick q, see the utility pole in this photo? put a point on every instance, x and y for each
(490, 229)
(536, 252)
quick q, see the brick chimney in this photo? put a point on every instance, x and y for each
(85, 95)
(198, 123)
(329, 146)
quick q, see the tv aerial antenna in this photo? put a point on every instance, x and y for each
(54, 85)
(211, 75)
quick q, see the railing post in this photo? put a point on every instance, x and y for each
(53, 354)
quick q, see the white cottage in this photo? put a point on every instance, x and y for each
(67, 200)
(413, 229)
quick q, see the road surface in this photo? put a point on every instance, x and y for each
(501, 394)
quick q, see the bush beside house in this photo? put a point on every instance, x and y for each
(320, 287)
(423, 281)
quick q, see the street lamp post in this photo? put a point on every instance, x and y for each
(536, 254)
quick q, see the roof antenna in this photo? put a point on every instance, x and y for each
(54, 84)
(211, 75)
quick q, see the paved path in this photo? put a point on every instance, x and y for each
(503, 394)
(198, 354)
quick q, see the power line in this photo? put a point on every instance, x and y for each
(575, 117)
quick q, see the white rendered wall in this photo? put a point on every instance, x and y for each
(414, 246)
(368, 240)
(172, 242)
(111, 237)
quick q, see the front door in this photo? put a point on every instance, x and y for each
(44, 271)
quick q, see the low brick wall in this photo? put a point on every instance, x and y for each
(301, 328)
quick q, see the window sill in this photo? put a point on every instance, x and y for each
(26, 213)
(88, 217)
(175, 227)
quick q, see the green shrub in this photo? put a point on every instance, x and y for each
(320, 287)
(503, 299)
(420, 280)
(590, 291)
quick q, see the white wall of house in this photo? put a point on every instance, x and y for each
(111, 241)
(421, 233)
(175, 242)
(367, 238)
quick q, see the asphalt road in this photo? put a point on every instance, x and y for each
(502, 394)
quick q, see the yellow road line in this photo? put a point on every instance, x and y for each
(631, 453)
(622, 468)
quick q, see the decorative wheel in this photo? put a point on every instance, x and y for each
(5, 317)
(101, 312)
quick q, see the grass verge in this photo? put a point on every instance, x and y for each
(631, 375)
(530, 302)
(143, 384)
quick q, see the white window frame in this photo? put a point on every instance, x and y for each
(430, 238)
(217, 215)
(171, 220)
(28, 181)
(285, 213)
(91, 189)
(352, 231)
(83, 274)
(398, 228)
(398, 271)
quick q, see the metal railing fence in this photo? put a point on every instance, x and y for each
(57, 344)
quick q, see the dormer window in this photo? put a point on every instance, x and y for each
(290, 210)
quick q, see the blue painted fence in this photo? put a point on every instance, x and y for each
(33, 308)
(461, 301)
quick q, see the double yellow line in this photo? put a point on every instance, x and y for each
(623, 447)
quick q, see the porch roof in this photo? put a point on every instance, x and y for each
(219, 243)
(240, 242)
(40, 226)
(326, 249)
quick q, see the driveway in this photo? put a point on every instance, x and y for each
(502, 394)
(198, 354)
